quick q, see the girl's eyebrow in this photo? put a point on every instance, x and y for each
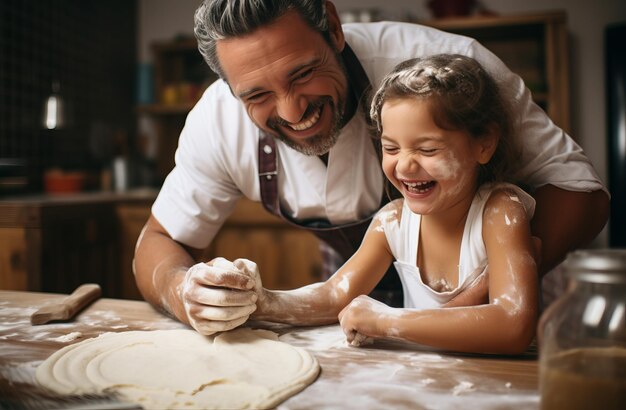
(426, 138)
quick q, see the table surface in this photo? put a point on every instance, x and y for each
(381, 375)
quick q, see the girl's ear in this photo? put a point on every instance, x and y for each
(486, 145)
(334, 27)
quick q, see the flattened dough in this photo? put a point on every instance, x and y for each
(158, 369)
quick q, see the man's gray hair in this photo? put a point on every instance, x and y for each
(221, 19)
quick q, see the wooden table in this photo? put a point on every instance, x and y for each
(385, 374)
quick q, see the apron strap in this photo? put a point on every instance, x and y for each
(268, 153)
(344, 239)
(268, 173)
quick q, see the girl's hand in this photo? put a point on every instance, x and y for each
(365, 318)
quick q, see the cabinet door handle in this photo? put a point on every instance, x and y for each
(16, 261)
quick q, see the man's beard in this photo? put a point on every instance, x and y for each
(317, 144)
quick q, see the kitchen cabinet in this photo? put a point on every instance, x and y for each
(54, 243)
(131, 218)
(286, 256)
(535, 46)
(14, 259)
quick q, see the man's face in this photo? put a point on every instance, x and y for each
(290, 80)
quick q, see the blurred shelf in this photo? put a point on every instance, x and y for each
(165, 109)
(474, 22)
(535, 46)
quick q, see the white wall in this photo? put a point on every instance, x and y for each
(163, 19)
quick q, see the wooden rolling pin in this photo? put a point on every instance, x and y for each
(67, 308)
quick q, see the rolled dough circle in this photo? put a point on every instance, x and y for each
(239, 369)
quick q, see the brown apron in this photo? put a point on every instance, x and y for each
(344, 239)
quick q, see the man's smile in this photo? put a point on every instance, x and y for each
(308, 122)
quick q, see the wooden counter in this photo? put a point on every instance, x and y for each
(54, 243)
(383, 375)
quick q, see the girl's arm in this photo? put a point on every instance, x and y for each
(320, 303)
(505, 325)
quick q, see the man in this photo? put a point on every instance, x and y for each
(286, 126)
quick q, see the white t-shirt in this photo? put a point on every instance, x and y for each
(216, 159)
(403, 238)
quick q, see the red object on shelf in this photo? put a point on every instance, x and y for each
(56, 181)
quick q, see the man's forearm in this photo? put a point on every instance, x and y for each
(566, 220)
(160, 266)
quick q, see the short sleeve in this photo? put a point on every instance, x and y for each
(212, 169)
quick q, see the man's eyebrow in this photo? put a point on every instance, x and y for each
(290, 74)
(246, 93)
(308, 64)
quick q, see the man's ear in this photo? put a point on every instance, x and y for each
(486, 144)
(334, 26)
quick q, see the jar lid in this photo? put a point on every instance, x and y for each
(598, 265)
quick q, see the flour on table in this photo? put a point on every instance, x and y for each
(180, 368)
(463, 387)
(68, 337)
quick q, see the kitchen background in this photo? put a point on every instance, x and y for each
(93, 94)
(586, 24)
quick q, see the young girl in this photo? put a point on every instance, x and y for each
(445, 135)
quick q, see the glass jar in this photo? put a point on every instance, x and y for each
(582, 336)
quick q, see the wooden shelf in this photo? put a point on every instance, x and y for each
(475, 22)
(165, 109)
(180, 78)
(175, 46)
(180, 75)
(535, 46)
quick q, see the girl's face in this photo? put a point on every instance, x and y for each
(435, 169)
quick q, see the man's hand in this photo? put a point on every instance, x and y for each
(220, 295)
